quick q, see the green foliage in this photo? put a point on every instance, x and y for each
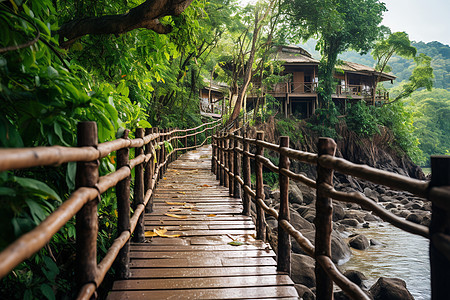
(361, 119)
(431, 111)
(396, 43)
(288, 127)
(324, 121)
(137, 79)
(399, 119)
(338, 25)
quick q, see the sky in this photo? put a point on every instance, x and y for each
(423, 20)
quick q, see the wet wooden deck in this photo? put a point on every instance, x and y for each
(200, 263)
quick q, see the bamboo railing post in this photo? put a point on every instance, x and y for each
(185, 142)
(86, 218)
(148, 173)
(260, 215)
(138, 198)
(163, 153)
(284, 242)
(195, 138)
(246, 170)
(220, 156)
(439, 228)
(230, 164)
(237, 169)
(123, 212)
(157, 150)
(176, 134)
(213, 156)
(225, 161)
(323, 220)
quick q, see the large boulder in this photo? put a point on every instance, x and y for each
(338, 212)
(390, 289)
(340, 251)
(295, 194)
(356, 277)
(302, 270)
(299, 222)
(371, 194)
(304, 292)
(359, 242)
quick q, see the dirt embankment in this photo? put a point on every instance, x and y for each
(381, 151)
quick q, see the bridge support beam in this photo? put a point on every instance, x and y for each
(440, 233)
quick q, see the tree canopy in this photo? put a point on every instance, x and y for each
(338, 25)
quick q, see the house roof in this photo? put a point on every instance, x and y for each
(352, 67)
(294, 55)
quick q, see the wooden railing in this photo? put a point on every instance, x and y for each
(231, 158)
(150, 162)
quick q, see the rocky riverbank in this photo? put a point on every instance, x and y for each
(347, 218)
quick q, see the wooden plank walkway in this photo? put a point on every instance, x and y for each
(200, 264)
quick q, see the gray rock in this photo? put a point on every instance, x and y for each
(414, 218)
(302, 270)
(299, 222)
(374, 242)
(390, 205)
(275, 195)
(356, 277)
(385, 199)
(371, 218)
(426, 221)
(338, 212)
(340, 296)
(390, 289)
(359, 242)
(340, 251)
(295, 195)
(371, 194)
(304, 292)
(349, 222)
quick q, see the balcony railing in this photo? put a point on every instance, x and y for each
(352, 91)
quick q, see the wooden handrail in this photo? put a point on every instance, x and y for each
(81, 201)
(438, 194)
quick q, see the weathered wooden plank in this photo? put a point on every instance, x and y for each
(201, 264)
(201, 283)
(180, 254)
(195, 248)
(224, 293)
(202, 272)
(194, 262)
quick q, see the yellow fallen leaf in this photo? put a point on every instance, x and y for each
(175, 203)
(176, 216)
(194, 209)
(161, 231)
(164, 178)
(204, 156)
(174, 209)
(205, 185)
(211, 215)
(183, 193)
(150, 234)
(176, 196)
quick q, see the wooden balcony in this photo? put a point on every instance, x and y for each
(294, 89)
(360, 92)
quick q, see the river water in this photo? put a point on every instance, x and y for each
(401, 255)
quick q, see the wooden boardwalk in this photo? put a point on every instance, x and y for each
(200, 263)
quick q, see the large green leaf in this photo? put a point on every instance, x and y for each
(37, 187)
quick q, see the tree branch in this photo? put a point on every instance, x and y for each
(146, 16)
